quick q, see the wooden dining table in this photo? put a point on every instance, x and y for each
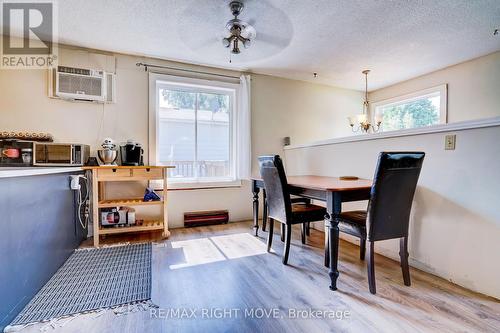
(331, 190)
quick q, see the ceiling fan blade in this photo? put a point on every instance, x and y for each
(215, 40)
(271, 39)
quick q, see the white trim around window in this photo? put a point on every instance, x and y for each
(199, 85)
(441, 91)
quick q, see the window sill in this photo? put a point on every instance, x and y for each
(458, 126)
(178, 186)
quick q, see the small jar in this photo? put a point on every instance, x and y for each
(27, 155)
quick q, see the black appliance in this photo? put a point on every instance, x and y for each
(131, 154)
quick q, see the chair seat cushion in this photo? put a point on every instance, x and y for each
(304, 212)
(353, 223)
(300, 200)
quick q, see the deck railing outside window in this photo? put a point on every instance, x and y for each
(200, 169)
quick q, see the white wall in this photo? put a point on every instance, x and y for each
(303, 111)
(280, 108)
(455, 224)
(473, 88)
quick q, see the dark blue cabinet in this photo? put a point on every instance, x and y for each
(38, 232)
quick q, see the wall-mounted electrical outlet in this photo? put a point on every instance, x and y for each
(449, 142)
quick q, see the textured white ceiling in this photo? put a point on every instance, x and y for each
(397, 39)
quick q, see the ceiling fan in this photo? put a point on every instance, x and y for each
(226, 22)
(239, 31)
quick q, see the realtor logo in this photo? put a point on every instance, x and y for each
(28, 32)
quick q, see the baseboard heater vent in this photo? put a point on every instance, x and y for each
(194, 219)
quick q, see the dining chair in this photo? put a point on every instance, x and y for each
(305, 230)
(388, 212)
(280, 207)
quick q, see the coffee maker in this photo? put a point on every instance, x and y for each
(131, 153)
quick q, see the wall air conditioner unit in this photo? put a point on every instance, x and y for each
(78, 84)
(110, 87)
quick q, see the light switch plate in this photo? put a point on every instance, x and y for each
(449, 142)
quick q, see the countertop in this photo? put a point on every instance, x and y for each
(128, 167)
(8, 172)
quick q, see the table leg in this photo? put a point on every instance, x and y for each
(255, 191)
(333, 207)
(264, 210)
(327, 247)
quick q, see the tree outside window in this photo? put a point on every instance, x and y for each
(419, 109)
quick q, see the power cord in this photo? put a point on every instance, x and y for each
(82, 200)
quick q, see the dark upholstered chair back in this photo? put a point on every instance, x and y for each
(278, 197)
(392, 193)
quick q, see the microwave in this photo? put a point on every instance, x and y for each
(60, 154)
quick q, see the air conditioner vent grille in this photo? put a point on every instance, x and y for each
(72, 70)
(71, 84)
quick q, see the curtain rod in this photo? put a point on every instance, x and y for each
(141, 64)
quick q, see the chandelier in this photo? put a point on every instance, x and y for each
(239, 31)
(361, 122)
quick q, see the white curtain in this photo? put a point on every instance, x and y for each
(244, 127)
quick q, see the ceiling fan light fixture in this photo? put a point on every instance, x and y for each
(226, 42)
(247, 43)
(239, 31)
(236, 48)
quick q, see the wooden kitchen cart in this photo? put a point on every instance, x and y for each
(103, 174)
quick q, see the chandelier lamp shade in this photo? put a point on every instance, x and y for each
(361, 121)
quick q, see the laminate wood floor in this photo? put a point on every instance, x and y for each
(225, 276)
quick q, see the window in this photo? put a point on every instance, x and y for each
(423, 108)
(193, 121)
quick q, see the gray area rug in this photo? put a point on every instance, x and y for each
(93, 279)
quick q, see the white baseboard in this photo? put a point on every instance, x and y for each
(394, 255)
